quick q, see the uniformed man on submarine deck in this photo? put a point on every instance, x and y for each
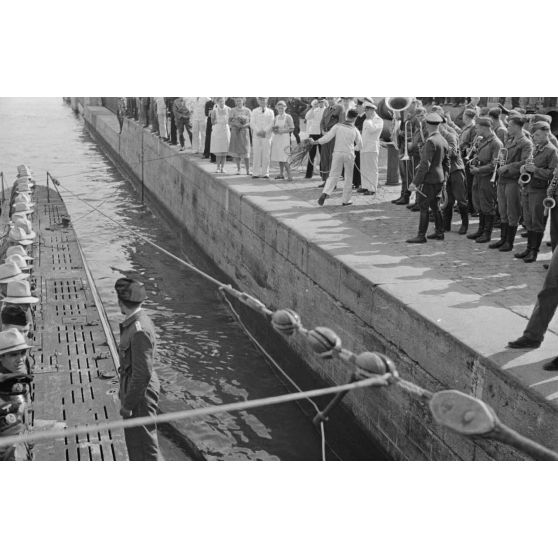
(139, 384)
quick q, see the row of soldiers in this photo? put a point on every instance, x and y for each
(497, 164)
(17, 318)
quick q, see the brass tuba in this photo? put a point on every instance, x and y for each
(397, 105)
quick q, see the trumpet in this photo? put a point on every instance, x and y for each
(549, 202)
(525, 177)
(471, 153)
(500, 160)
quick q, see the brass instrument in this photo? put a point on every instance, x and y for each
(549, 202)
(397, 105)
(408, 132)
(443, 198)
(525, 177)
(500, 161)
(471, 153)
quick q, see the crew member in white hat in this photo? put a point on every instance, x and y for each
(20, 261)
(10, 272)
(19, 293)
(14, 393)
(18, 250)
(371, 129)
(18, 235)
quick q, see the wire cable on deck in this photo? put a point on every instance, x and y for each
(461, 413)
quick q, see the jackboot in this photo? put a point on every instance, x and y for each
(447, 218)
(487, 233)
(423, 227)
(463, 211)
(532, 255)
(438, 233)
(503, 237)
(404, 200)
(480, 230)
(521, 255)
(510, 239)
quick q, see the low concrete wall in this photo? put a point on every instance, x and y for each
(278, 255)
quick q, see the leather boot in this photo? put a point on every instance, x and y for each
(438, 233)
(423, 227)
(463, 211)
(447, 218)
(503, 237)
(510, 239)
(522, 254)
(532, 255)
(402, 201)
(480, 230)
(487, 232)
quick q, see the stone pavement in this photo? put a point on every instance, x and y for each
(482, 297)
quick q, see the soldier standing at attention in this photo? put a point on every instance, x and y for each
(431, 174)
(519, 148)
(139, 384)
(482, 168)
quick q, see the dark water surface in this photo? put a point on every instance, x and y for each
(205, 358)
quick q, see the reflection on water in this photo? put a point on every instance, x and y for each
(204, 356)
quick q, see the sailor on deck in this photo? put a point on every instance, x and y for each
(139, 384)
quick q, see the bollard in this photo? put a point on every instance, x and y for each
(392, 178)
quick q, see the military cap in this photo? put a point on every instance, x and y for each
(470, 113)
(544, 126)
(542, 118)
(434, 118)
(437, 108)
(518, 120)
(129, 290)
(495, 112)
(484, 121)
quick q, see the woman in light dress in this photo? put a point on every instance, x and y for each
(220, 132)
(283, 126)
(239, 121)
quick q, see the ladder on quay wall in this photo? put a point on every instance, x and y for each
(70, 348)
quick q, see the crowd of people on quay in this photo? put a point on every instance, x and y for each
(490, 162)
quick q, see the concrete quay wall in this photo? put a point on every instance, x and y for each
(283, 258)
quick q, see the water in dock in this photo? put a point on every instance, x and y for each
(205, 358)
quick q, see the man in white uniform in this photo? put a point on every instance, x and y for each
(347, 139)
(370, 152)
(199, 123)
(261, 124)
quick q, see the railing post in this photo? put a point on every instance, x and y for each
(2, 178)
(47, 187)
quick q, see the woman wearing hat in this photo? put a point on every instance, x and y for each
(14, 393)
(282, 129)
(220, 132)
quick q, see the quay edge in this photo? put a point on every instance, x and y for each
(280, 259)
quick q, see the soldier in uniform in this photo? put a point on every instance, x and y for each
(466, 139)
(456, 187)
(545, 160)
(431, 174)
(497, 127)
(139, 384)
(482, 168)
(14, 393)
(509, 203)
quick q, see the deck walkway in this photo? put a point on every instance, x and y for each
(70, 348)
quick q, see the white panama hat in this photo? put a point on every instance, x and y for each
(19, 292)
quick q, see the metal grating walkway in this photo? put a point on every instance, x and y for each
(70, 348)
